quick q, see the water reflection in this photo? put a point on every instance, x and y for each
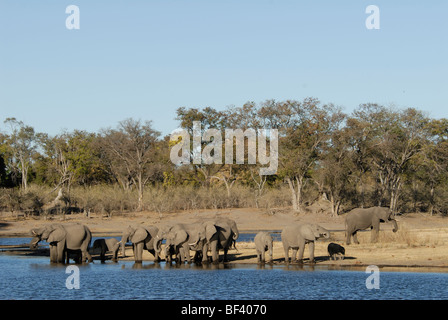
(36, 278)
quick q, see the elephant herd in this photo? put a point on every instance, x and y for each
(208, 235)
(180, 239)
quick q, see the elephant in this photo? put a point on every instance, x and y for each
(141, 238)
(64, 239)
(170, 250)
(226, 234)
(181, 238)
(363, 218)
(263, 242)
(334, 250)
(209, 234)
(297, 235)
(110, 244)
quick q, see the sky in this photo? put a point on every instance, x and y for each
(144, 59)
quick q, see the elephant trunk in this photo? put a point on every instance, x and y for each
(33, 243)
(395, 225)
(236, 233)
(157, 245)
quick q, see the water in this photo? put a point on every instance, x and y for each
(35, 278)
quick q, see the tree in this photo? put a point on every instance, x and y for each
(305, 127)
(72, 157)
(22, 141)
(431, 165)
(394, 138)
(335, 167)
(132, 146)
(209, 118)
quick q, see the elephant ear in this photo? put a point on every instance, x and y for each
(153, 231)
(180, 237)
(57, 235)
(139, 235)
(210, 231)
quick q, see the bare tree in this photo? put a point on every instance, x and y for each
(22, 141)
(132, 146)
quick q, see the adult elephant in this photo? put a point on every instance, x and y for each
(226, 234)
(363, 218)
(141, 238)
(296, 236)
(181, 238)
(62, 239)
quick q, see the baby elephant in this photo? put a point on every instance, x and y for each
(263, 243)
(336, 250)
(105, 245)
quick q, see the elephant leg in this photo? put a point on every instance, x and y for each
(61, 252)
(115, 255)
(286, 249)
(348, 235)
(215, 252)
(179, 255)
(53, 253)
(187, 256)
(375, 232)
(197, 256)
(138, 247)
(301, 250)
(311, 250)
(262, 256)
(225, 254)
(205, 253)
(355, 237)
(103, 255)
(294, 255)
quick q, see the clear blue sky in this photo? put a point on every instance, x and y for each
(144, 59)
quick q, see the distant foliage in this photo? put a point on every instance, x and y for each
(375, 155)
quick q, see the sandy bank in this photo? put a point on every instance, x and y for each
(422, 241)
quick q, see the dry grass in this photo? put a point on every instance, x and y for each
(111, 200)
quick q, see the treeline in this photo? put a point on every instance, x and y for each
(373, 156)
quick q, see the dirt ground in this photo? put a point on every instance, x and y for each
(421, 241)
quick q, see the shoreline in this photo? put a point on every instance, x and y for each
(420, 243)
(278, 263)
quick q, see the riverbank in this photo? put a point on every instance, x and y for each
(421, 241)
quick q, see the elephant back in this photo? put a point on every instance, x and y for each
(77, 235)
